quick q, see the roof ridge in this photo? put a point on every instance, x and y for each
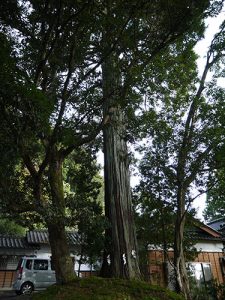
(8, 235)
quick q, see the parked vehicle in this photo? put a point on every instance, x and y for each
(33, 273)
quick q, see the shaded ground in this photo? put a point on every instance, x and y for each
(11, 295)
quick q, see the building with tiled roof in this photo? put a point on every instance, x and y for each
(209, 262)
(34, 243)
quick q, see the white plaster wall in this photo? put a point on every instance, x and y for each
(44, 252)
(209, 246)
(206, 246)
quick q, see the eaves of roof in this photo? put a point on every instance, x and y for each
(207, 238)
(10, 242)
(203, 232)
(41, 237)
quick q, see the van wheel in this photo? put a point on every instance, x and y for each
(26, 288)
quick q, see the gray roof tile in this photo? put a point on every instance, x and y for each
(37, 237)
(7, 241)
(41, 237)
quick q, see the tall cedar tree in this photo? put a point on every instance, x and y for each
(151, 28)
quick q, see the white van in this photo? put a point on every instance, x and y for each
(33, 273)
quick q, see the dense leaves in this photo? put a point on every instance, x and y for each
(215, 201)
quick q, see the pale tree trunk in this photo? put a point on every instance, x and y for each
(181, 278)
(184, 181)
(56, 223)
(122, 249)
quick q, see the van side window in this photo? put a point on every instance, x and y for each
(29, 264)
(40, 264)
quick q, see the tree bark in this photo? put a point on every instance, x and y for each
(56, 223)
(122, 255)
(62, 261)
(181, 278)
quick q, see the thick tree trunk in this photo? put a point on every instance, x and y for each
(181, 278)
(122, 249)
(56, 223)
(123, 254)
(120, 256)
(60, 253)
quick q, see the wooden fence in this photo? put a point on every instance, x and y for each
(158, 269)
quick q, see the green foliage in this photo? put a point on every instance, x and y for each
(16, 201)
(212, 290)
(8, 227)
(217, 289)
(84, 204)
(107, 289)
(215, 201)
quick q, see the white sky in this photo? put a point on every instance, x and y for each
(202, 46)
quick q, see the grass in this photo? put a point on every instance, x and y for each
(96, 288)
